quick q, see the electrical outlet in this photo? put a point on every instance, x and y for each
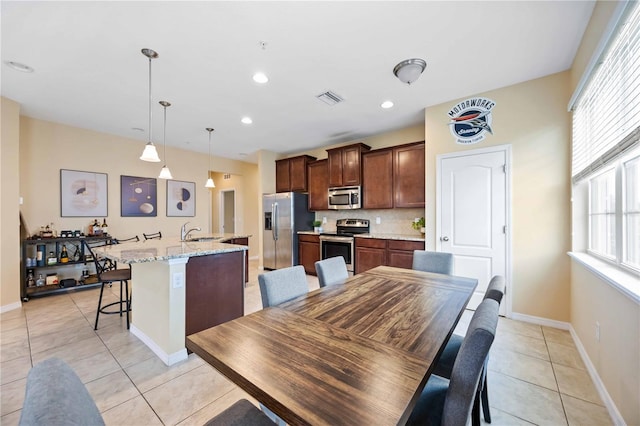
(378, 220)
(597, 331)
(324, 219)
(178, 279)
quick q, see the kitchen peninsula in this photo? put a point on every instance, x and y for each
(182, 287)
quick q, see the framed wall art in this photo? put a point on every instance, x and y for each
(138, 196)
(181, 198)
(83, 194)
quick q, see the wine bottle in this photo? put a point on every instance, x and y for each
(64, 256)
(105, 228)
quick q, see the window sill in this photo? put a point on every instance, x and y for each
(625, 282)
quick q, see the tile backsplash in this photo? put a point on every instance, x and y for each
(392, 221)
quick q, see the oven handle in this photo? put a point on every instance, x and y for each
(337, 239)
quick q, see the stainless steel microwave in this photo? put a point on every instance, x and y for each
(345, 198)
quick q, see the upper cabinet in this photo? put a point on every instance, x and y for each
(394, 177)
(345, 166)
(291, 173)
(409, 175)
(318, 176)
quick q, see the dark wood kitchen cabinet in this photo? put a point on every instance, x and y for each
(409, 175)
(291, 173)
(377, 176)
(372, 252)
(394, 177)
(345, 165)
(318, 176)
(308, 252)
(242, 242)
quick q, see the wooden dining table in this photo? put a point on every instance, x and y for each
(356, 354)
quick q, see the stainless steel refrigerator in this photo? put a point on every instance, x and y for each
(285, 214)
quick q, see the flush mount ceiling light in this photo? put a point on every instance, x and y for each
(386, 104)
(150, 153)
(18, 66)
(209, 183)
(409, 70)
(247, 120)
(165, 173)
(260, 78)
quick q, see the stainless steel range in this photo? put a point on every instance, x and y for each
(341, 242)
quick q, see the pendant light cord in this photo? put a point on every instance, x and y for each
(150, 113)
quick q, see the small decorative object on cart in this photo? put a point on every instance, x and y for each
(52, 279)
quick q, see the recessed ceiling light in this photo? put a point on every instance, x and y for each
(386, 104)
(260, 77)
(247, 120)
(18, 66)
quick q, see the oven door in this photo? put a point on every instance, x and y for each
(332, 246)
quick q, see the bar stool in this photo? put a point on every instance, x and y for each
(156, 235)
(110, 276)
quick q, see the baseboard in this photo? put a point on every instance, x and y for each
(168, 359)
(602, 390)
(10, 307)
(540, 321)
(615, 415)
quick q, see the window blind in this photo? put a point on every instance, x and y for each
(606, 116)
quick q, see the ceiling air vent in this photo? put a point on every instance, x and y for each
(330, 98)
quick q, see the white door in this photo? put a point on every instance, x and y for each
(472, 215)
(227, 211)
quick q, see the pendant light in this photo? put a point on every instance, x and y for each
(165, 173)
(150, 153)
(209, 183)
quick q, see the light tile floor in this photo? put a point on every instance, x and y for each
(536, 375)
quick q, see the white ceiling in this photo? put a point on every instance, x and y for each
(90, 73)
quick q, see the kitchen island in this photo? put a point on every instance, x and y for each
(181, 287)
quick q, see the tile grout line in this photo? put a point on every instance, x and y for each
(564, 410)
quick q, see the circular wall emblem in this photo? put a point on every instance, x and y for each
(471, 120)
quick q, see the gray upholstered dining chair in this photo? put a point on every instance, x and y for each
(241, 413)
(48, 401)
(331, 271)
(444, 367)
(449, 402)
(282, 285)
(432, 261)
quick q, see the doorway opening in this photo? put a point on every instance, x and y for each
(227, 211)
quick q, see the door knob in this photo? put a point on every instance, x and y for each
(444, 238)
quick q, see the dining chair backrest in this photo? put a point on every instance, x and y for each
(467, 368)
(156, 235)
(432, 261)
(495, 289)
(135, 238)
(282, 285)
(331, 271)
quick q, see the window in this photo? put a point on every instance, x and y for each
(631, 213)
(614, 212)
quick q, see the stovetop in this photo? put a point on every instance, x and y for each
(350, 227)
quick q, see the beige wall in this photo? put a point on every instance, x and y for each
(616, 357)
(533, 119)
(47, 147)
(9, 206)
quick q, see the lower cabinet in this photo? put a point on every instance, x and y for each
(242, 242)
(372, 252)
(308, 252)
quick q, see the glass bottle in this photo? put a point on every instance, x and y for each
(64, 256)
(105, 228)
(30, 280)
(52, 260)
(40, 281)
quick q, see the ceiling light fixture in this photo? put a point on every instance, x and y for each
(165, 173)
(260, 78)
(409, 70)
(150, 153)
(386, 104)
(18, 66)
(209, 183)
(247, 120)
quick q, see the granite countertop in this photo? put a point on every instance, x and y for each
(405, 237)
(171, 248)
(382, 236)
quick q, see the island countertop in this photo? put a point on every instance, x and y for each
(171, 248)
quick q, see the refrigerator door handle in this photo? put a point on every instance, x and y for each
(274, 213)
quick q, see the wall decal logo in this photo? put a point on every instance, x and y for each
(471, 120)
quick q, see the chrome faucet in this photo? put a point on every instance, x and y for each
(184, 234)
